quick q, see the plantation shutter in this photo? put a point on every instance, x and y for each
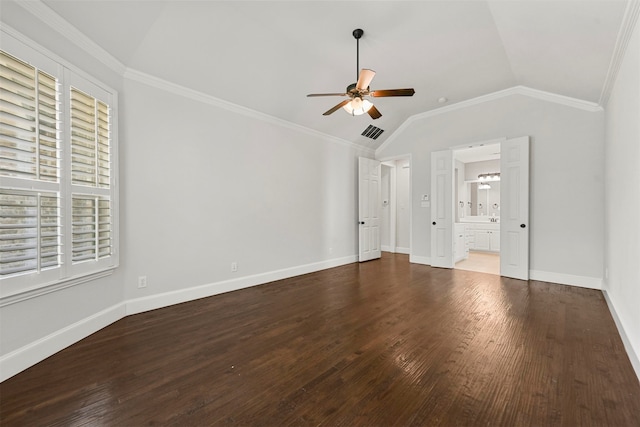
(91, 177)
(58, 172)
(30, 214)
(29, 121)
(29, 242)
(91, 227)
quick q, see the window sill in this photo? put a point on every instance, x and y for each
(52, 287)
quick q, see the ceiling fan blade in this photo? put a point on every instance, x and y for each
(365, 78)
(392, 92)
(327, 94)
(374, 113)
(337, 107)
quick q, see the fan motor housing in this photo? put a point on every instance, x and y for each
(351, 90)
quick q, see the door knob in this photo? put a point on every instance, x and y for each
(434, 223)
(522, 226)
(362, 222)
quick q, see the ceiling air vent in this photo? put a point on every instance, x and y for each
(372, 132)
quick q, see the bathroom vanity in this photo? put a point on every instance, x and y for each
(483, 236)
(476, 234)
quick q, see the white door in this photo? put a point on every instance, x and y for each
(514, 212)
(442, 209)
(369, 209)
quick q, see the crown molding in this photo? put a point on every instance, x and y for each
(629, 21)
(195, 95)
(64, 28)
(580, 104)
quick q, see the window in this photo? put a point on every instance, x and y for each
(58, 193)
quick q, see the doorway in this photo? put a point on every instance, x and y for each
(510, 231)
(477, 208)
(395, 213)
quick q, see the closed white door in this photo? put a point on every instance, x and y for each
(369, 209)
(514, 212)
(442, 209)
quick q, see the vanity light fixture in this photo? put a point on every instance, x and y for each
(489, 177)
(483, 186)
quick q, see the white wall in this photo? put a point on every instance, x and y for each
(395, 181)
(566, 191)
(461, 191)
(385, 210)
(622, 166)
(403, 219)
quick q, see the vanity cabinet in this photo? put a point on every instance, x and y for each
(494, 241)
(460, 243)
(484, 237)
(482, 240)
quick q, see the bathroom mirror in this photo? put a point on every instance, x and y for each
(483, 201)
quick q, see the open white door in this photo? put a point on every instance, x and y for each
(514, 212)
(369, 209)
(442, 209)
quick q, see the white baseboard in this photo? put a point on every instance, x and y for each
(566, 279)
(633, 356)
(420, 259)
(166, 299)
(32, 353)
(405, 251)
(386, 248)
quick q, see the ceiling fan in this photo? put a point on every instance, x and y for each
(357, 104)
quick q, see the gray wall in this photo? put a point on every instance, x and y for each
(212, 187)
(622, 201)
(566, 171)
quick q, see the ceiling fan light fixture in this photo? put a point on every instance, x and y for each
(358, 106)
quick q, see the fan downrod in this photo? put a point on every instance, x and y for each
(357, 33)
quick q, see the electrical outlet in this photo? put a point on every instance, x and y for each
(330, 250)
(234, 267)
(142, 281)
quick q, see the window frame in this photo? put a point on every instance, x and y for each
(14, 288)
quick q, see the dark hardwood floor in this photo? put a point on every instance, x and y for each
(376, 344)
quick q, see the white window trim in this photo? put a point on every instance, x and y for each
(22, 287)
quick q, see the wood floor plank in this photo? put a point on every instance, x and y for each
(380, 343)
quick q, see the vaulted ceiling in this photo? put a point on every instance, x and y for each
(267, 55)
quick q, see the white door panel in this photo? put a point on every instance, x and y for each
(442, 209)
(514, 213)
(369, 189)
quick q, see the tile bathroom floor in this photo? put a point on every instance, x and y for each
(483, 262)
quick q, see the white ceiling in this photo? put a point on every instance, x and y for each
(267, 55)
